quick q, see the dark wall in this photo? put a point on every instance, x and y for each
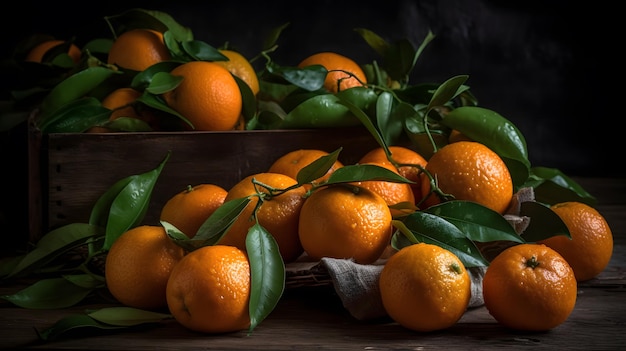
(542, 64)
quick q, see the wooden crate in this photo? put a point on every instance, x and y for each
(69, 172)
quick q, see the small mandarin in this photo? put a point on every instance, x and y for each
(345, 221)
(469, 171)
(337, 65)
(529, 287)
(37, 53)
(123, 103)
(591, 245)
(138, 266)
(138, 49)
(292, 162)
(208, 291)
(238, 65)
(208, 96)
(425, 287)
(277, 214)
(190, 208)
(409, 161)
(393, 193)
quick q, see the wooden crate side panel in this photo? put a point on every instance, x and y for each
(81, 167)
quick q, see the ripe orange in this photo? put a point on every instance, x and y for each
(425, 287)
(337, 65)
(208, 96)
(277, 214)
(209, 290)
(529, 287)
(37, 53)
(123, 103)
(238, 65)
(345, 221)
(402, 156)
(455, 136)
(469, 171)
(393, 193)
(190, 208)
(591, 246)
(138, 266)
(292, 162)
(138, 49)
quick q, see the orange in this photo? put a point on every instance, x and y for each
(469, 171)
(408, 161)
(393, 193)
(138, 266)
(37, 53)
(190, 208)
(455, 136)
(209, 290)
(529, 287)
(278, 214)
(208, 96)
(425, 287)
(343, 72)
(123, 102)
(345, 221)
(138, 49)
(591, 246)
(238, 65)
(292, 162)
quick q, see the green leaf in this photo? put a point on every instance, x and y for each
(100, 211)
(267, 274)
(98, 46)
(201, 51)
(320, 111)
(84, 107)
(380, 45)
(273, 36)
(496, 132)
(76, 117)
(74, 87)
(50, 293)
(479, 223)
(157, 20)
(310, 78)
(212, 230)
(364, 172)
(87, 281)
(158, 103)
(317, 168)
(74, 323)
(127, 316)
(249, 106)
(432, 229)
(54, 243)
(447, 91)
(544, 222)
(552, 186)
(130, 205)
(144, 80)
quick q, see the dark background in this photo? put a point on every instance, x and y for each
(551, 67)
(545, 65)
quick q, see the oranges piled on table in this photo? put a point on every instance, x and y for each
(423, 286)
(355, 221)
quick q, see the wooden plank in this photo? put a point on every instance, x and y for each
(78, 168)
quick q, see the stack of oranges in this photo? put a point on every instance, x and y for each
(423, 287)
(355, 221)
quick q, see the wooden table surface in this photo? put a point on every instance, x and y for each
(314, 318)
